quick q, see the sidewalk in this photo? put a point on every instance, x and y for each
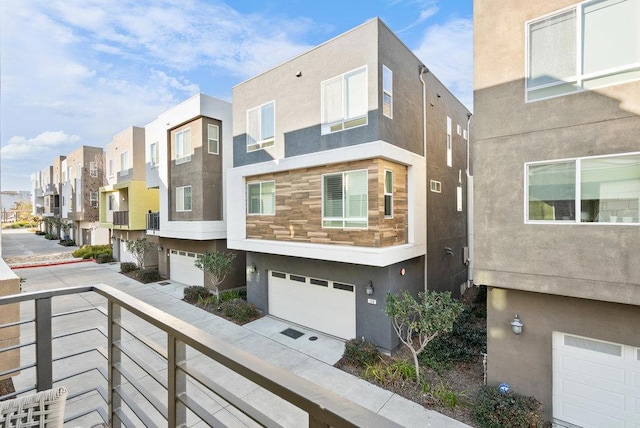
(310, 359)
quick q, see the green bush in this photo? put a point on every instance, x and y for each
(126, 267)
(233, 294)
(104, 258)
(396, 373)
(67, 242)
(194, 293)
(92, 251)
(51, 236)
(40, 232)
(495, 410)
(149, 275)
(360, 352)
(240, 311)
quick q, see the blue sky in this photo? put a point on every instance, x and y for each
(77, 72)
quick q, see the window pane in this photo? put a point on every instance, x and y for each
(333, 195)
(388, 182)
(356, 94)
(268, 121)
(187, 142)
(332, 100)
(180, 199)
(254, 198)
(253, 126)
(213, 132)
(356, 194)
(187, 198)
(610, 189)
(268, 197)
(387, 80)
(388, 207)
(552, 191)
(552, 49)
(619, 44)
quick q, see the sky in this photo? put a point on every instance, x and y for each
(77, 72)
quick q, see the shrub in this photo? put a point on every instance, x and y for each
(126, 267)
(67, 242)
(92, 251)
(194, 293)
(104, 258)
(444, 395)
(396, 373)
(40, 232)
(360, 352)
(494, 410)
(233, 294)
(240, 311)
(150, 275)
(51, 236)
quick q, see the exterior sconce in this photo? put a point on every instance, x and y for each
(369, 288)
(160, 248)
(516, 325)
(253, 268)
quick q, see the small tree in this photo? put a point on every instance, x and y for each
(65, 227)
(218, 265)
(138, 247)
(435, 314)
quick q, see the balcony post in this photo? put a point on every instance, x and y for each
(177, 382)
(44, 353)
(114, 359)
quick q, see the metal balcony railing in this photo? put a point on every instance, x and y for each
(153, 221)
(109, 381)
(121, 218)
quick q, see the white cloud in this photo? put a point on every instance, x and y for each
(447, 50)
(21, 147)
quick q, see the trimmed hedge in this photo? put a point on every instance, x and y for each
(194, 293)
(126, 267)
(360, 352)
(104, 258)
(92, 251)
(150, 275)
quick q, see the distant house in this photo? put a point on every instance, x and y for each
(348, 182)
(557, 195)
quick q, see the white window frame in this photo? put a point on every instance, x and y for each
(435, 186)
(124, 163)
(153, 155)
(211, 127)
(578, 192)
(449, 143)
(345, 122)
(93, 169)
(344, 219)
(387, 194)
(180, 199)
(111, 202)
(93, 199)
(575, 83)
(79, 171)
(111, 168)
(387, 90)
(182, 145)
(262, 210)
(262, 141)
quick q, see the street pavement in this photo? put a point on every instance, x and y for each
(312, 360)
(23, 243)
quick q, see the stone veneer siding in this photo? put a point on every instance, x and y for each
(299, 207)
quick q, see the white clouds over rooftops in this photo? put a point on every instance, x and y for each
(50, 141)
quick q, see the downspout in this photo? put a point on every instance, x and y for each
(423, 70)
(470, 238)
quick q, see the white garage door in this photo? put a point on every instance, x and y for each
(126, 256)
(182, 269)
(595, 383)
(326, 306)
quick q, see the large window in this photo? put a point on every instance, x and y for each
(183, 198)
(344, 101)
(93, 199)
(124, 163)
(590, 45)
(388, 193)
(261, 198)
(213, 139)
(344, 200)
(603, 189)
(153, 155)
(387, 91)
(93, 169)
(183, 146)
(261, 126)
(111, 169)
(449, 143)
(112, 202)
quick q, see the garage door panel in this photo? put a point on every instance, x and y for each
(182, 268)
(612, 398)
(579, 366)
(587, 418)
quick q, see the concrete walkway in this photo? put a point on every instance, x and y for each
(310, 359)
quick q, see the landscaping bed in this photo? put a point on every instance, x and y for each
(231, 304)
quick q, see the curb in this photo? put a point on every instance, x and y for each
(53, 263)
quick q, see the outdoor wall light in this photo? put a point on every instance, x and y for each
(369, 288)
(160, 248)
(516, 325)
(253, 268)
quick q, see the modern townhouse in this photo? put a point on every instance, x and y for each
(40, 181)
(51, 194)
(188, 149)
(124, 199)
(557, 186)
(348, 181)
(81, 175)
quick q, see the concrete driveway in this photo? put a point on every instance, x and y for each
(23, 243)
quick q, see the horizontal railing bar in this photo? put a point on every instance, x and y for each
(17, 323)
(47, 294)
(200, 411)
(22, 345)
(18, 392)
(227, 395)
(137, 410)
(16, 370)
(162, 381)
(133, 381)
(74, 312)
(149, 343)
(86, 351)
(124, 419)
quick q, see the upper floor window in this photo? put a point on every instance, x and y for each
(449, 143)
(183, 146)
(590, 45)
(93, 169)
(153, 155)
(93, 199)
(344, 199)
(261, 126)
(111, 202)
(388, 193)
(124, 163)
(603, 189)
(79, 171)
(183, 198)
(387, 92)
(261, 198)
(111, 169)
(213, 138)
(344, 101)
